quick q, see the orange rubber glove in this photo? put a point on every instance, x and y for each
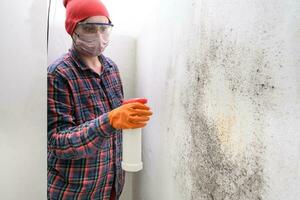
(129, 115)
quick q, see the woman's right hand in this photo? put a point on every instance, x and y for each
(130, 116)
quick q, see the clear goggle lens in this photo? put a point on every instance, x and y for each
(92, 28)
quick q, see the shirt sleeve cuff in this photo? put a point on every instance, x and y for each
(105, 128)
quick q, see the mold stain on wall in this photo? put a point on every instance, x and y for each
(208, 169)
(214, 175)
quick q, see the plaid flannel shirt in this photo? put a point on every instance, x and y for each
(84, 150)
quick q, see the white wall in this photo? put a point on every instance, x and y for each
(23, 89)
(223, 80)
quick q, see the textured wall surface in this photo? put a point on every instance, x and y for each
(223, 80)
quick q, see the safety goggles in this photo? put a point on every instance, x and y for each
(92, 28)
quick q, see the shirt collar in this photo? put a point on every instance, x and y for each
(75, 56)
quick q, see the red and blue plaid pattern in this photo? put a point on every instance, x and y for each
(84, 150)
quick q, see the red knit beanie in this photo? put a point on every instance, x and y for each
(78, 10)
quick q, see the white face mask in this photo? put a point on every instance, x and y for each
(91, 44)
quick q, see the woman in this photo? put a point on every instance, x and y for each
(85, 111)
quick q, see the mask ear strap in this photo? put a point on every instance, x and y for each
(76, 34)
(73, 37)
